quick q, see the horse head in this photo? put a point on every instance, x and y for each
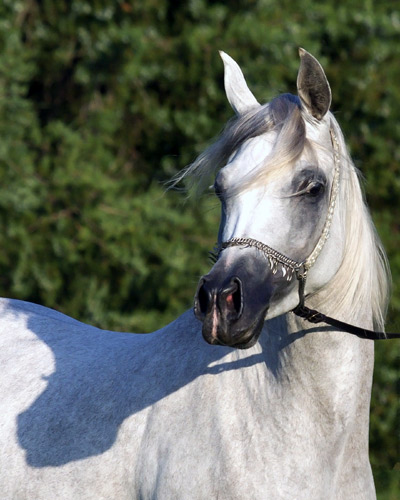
(277, 185)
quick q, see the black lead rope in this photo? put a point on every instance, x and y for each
(315, 317)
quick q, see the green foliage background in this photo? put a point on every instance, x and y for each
(102, 101)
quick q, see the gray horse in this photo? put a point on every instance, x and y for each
(241, 400)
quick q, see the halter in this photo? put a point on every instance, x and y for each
(292, 267)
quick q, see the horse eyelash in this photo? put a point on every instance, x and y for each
(306, 190)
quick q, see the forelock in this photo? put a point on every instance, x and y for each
(282, 114)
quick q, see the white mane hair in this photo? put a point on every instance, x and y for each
(364, 275)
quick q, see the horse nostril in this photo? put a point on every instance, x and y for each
(229, 299)
(232, 295)
(203, 300)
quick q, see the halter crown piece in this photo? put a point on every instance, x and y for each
(289, 266)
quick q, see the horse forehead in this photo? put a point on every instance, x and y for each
(253, 153)
(250, 155)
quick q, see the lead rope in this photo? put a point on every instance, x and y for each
(315, 317)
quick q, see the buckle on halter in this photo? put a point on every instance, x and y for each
(301, 275)
(301, 272)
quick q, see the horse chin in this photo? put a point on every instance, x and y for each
(215, 333)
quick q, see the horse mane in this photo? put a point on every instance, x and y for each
(364, 276)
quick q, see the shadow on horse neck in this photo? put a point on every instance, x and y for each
(102, 378)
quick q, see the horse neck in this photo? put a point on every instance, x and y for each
(319, 367)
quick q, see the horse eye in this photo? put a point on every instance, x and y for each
(218, 190)
(315, 189)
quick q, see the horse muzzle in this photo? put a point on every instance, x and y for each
(232, 302)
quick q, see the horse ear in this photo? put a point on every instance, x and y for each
(238, 93)
(312, 86)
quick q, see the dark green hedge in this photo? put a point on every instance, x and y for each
(102, 101)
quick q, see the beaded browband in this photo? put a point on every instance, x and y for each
(289, 266)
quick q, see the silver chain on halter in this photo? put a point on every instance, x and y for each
(289, 266)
